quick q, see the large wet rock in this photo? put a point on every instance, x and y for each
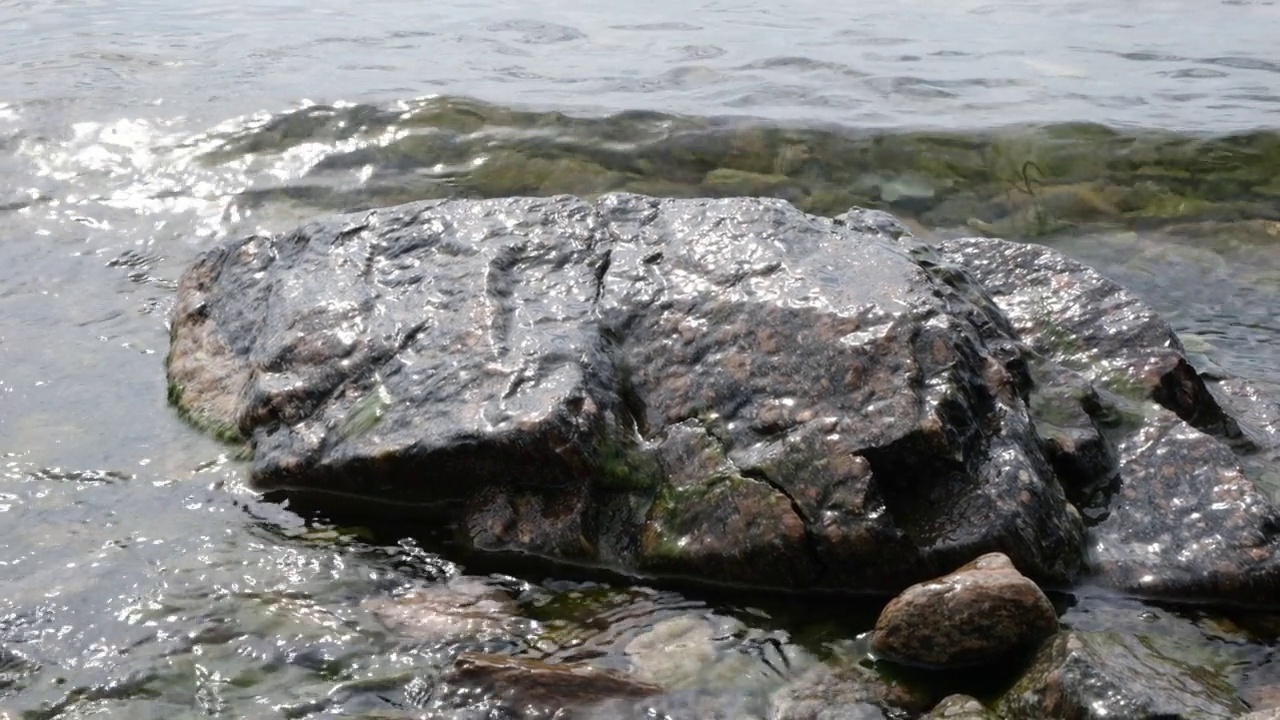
(729, 390)
(1140, 441)
(983, 612)
(1084, 676)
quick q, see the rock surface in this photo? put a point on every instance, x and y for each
(1084, 676)
(1131, 417)
(981, 613)
(727, 390)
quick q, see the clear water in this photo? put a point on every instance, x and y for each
(140, 578)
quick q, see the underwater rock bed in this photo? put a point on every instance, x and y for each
(1015, 182)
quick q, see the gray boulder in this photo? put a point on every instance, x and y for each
(845, 693)
(727, 390)
(1140, 441)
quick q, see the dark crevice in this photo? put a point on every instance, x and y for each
(602, 271)
(812, 544)
(1183, 391)
(499, 280)
(633, 411)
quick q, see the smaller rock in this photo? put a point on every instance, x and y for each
(976, 615)
(960, 707)
(684, 652)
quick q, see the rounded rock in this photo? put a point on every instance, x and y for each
(978, 614)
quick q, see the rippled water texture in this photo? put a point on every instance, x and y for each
(139, 578)
(1177, 64)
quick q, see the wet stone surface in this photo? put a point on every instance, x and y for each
(1141, 443)
(726, 390)
(1107, 675)
(981, 613)
(460, 611)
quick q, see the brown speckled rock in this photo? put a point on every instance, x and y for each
(977, 614)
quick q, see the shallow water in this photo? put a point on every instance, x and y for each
(140, 578)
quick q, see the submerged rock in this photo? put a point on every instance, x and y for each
(981, 613)
(960, 707)
(462, 610)
(526, 688)
(850, 693)
(1084, 676)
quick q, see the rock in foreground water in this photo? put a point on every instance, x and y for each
(981, 613)
(729, 390)
(726, 390)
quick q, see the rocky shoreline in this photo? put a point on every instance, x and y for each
(741, 393)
